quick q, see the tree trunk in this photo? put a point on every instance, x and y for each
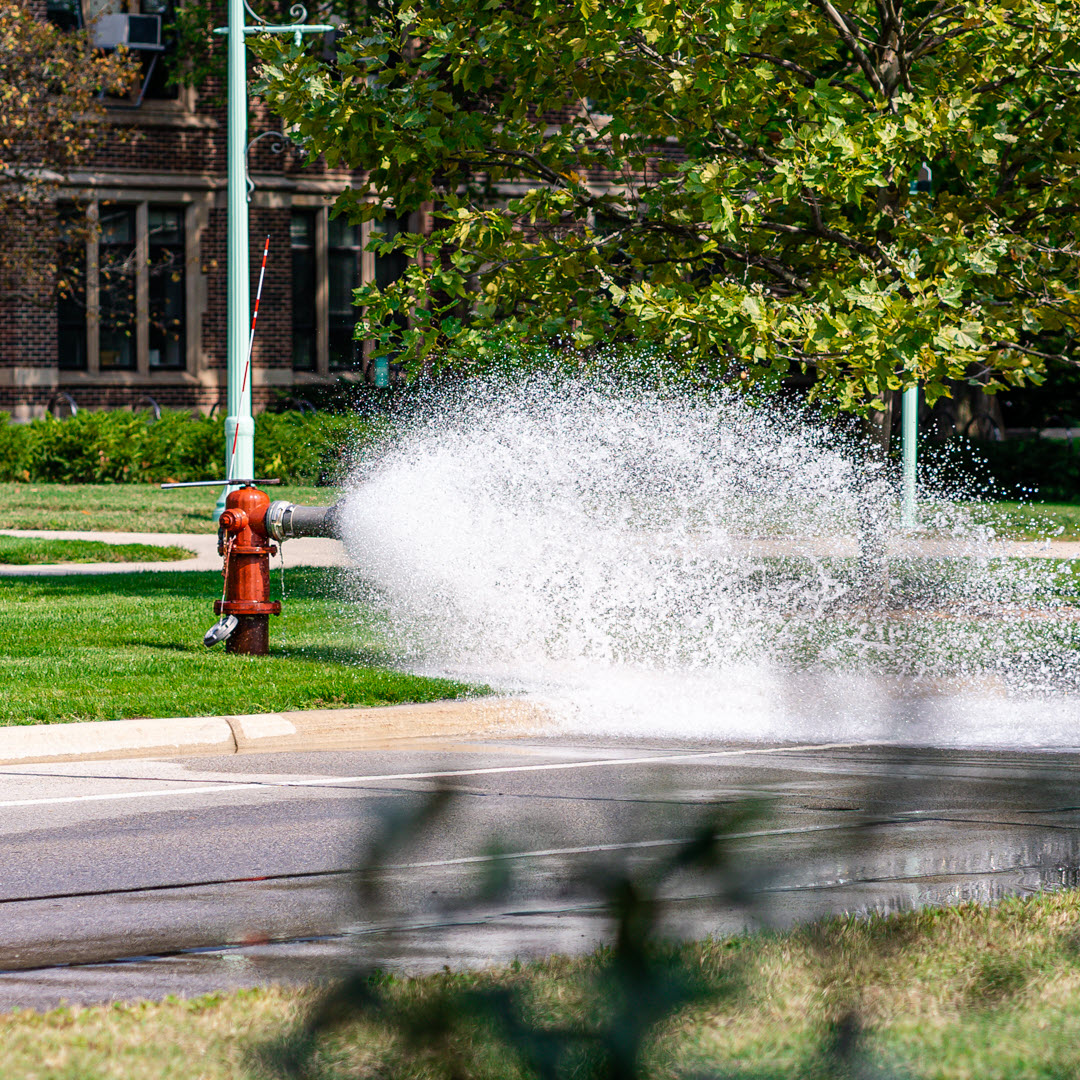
(881, 423)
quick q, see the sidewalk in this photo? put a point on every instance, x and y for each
(310, 551)
(307, 551)
(911, 547)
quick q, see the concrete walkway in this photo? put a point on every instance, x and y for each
(910, 546)
(319, 552)
(304, 552)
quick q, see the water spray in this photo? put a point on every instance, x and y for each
(696, 564)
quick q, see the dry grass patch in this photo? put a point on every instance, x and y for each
(971, 992)
(203, 1039)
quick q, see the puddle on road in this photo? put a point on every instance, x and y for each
(885, 881)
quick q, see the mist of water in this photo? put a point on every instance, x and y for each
(702, 567)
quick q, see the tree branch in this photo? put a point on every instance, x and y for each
(939, 11)
(1013, 347)
(824, 233)
(806, 77)
(772, 266)
(846, 36)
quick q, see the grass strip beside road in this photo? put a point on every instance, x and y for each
(127, 507)
(955, 993)
(33, 551)
(116, 646)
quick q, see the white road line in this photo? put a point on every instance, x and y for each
(597, 849)
(336, 781)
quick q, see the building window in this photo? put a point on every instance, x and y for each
(329, 263)
(64, 13)
(305, 348)
(343, 250)
(391, 266)
(117, 271)
(122, 289)
(165, 240)
(71, 290)
(155, 65)
(138, 25)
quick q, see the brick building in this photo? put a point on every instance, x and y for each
(146, 315)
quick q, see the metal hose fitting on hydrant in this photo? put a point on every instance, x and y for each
(285, 520)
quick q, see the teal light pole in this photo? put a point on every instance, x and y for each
(909, 435)
(239, 423)
(909, 404)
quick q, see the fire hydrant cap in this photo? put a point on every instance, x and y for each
(252, 502)
(233, 520)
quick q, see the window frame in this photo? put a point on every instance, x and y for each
(322, 371)
(142, 369)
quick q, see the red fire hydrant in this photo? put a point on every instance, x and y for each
(246, 528)
(246, 549)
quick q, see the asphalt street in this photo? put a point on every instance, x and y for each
(133, 879)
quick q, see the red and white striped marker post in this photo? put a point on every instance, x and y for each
(251, 345)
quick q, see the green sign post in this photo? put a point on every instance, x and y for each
(239, 423)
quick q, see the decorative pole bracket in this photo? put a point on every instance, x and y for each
(296, 28)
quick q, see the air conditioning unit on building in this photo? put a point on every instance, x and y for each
(141, 33)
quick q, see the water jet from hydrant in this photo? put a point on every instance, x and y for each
(700, 566)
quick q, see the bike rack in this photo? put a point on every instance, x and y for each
(155, 408)
(62, 395)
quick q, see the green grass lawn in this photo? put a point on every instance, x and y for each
(112, 646)
(1031, 521)
(958, 993)
(31, 551)
(126, 507)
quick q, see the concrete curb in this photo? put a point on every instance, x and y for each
(316, 729)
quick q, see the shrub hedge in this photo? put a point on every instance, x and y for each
(119, 447)
(312, 448)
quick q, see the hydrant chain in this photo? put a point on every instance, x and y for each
(226, 550)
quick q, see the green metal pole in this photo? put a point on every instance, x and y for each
(909, 434)
(239, 424)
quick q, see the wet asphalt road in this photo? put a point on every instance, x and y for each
(133, 879)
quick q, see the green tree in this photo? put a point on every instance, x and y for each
(728, 180)
(51, 120)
